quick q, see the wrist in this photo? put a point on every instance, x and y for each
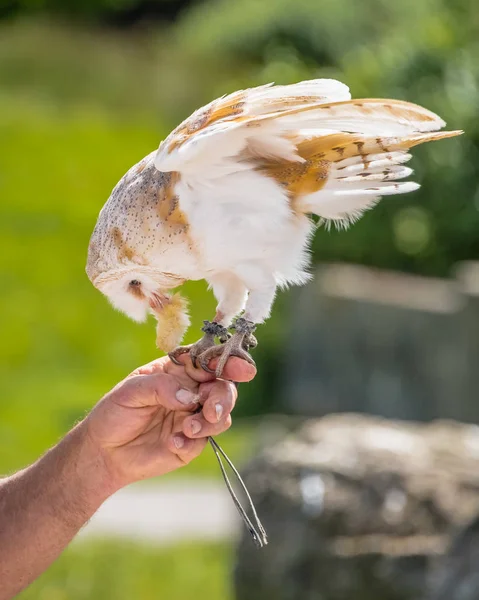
(88, 479)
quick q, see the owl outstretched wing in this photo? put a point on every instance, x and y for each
(219, 131)
(334, 156)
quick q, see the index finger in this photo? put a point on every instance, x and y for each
(165, 365)
(236, 369)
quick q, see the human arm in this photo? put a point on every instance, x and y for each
(138, 430)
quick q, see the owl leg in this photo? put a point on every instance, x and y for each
(231, 294)
(237, 345)
(257, 310)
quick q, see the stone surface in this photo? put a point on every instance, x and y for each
(360, 508)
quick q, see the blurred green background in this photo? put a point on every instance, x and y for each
(87, 88)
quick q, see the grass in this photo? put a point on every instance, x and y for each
(127, 571)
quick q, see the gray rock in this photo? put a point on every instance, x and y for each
(360, 508)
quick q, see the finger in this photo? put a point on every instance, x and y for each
(180, 372)
(156, 390)
(155, 366)
(197, 426)
(236, 369)
(166, 365)
(185, 448)
(218, 399)
(196, 373)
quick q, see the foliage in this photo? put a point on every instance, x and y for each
(112, 12)
(125, 571)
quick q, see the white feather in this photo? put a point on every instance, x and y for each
(356, 184)
(355, 164)
(227, 137)
(322, 90)
(273, 147)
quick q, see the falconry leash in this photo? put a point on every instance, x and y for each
(255, 529)
(257, 532)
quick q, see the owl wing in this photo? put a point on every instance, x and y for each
(304, 136)
(223, 128)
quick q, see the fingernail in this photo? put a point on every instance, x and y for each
(186, 397)
(179, 441)
(195, 427)
(219, 412)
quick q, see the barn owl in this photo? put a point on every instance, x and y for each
(230, 197)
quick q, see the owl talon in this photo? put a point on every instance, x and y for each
(249, 342)
(207, 355)
(238, 345)
(174, 354)
(173, 359)
(205, 349)
(211, 331)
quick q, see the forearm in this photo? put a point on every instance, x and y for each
(44, 506)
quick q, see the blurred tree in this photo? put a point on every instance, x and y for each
(111, 12)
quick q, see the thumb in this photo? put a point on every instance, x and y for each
(159, 389)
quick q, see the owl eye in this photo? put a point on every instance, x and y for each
(135, 283)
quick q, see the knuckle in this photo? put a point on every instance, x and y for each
(130, 386)
(209, 414)
(139, 383)
(227, 386)
(231, 391)
(158, 386)
(225, 390)
(226, 424)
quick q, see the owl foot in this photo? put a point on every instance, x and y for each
(238, 345)
(211, 331)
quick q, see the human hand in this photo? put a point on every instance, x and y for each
(147, 425)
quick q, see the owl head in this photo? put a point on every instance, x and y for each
(138, 291)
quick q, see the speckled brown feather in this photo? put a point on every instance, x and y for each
(234, 108)
(141, 216)
(226, 109)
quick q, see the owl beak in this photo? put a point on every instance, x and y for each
(158, 301)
